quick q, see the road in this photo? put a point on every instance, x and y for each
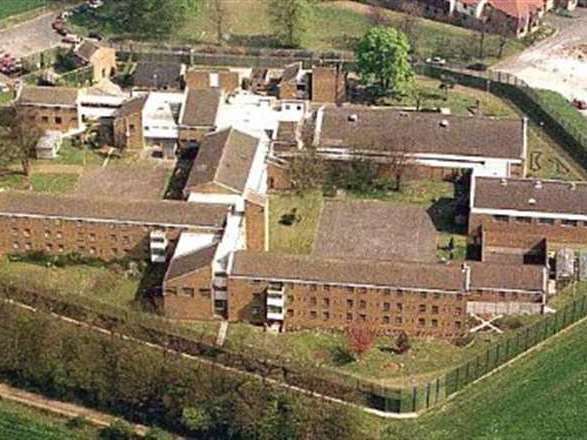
(30, 37)
(558, 63)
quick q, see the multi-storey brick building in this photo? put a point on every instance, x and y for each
(102, 228)
(50, 108)
(297, 292)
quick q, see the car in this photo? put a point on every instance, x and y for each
(480, 67)
(580, 104)
(436, 60)
(95, 36)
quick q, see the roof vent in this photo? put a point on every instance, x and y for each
(353, 118)
(504, 182)
(538, 184)
(444, 123)
(573, 186)
(532, 201)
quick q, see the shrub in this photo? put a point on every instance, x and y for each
(360, 339)
(402, 343)
(196, 419)
(118, 430)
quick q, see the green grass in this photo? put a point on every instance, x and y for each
(19, 422)
(54, 182)
(557, 104)
(70, 155)
(299, 237)
(417, 192)
(460, 100)
(5, 97)
(99, 283)
(333, 25)
(541, 396)
(13, 7)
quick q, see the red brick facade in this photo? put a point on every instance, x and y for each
(189, 296)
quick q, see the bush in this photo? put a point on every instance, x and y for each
(196, 419)
(402, 344)
(158, 434)
(118, 430)
(78, 422)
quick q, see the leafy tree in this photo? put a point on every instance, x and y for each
(289, 19)
(118, 430)
(18, 140)
(383, 61)
(360, 338)
(196, 419)
(155, 18)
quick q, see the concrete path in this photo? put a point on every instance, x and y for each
(62, 409)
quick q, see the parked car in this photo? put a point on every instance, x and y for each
(71, 39)
(580, 104)
(480, 67)
(96, 36)
(436, 60)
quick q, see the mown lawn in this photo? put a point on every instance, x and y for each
(13, 7)
(19, 422)
(541, 396)
(41, 182)
(71, 155)
(417, 192)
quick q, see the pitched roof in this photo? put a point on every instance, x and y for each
(132, 106)
(517, 8)
(509, 277)
(348, 271)
(224, 157)
(291, 71)
(384, 129)
(191, 262)
(160, 212)
(531, 195)
(158, 75)
(377, 230)
(201, 107)
(59, 96)
(87, 49)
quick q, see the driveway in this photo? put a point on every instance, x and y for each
(558, 63)
(30, 37)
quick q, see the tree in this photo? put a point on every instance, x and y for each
(383, 61)
(307, 170)
(18, 140)
(289, 19)
(154, 18)
(360, 338)
(218, 12)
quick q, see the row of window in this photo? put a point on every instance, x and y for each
(58, 120)
(397, 320)
(50, 248)
(540, 221)
(362, 304)
(188, 291)
(81, 223)
(59, 235)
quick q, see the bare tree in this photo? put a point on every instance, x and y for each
(409, 24)
(19, 139)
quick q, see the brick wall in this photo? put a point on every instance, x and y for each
(278, 177)
(128, 131)
(288, 90)
(189, 296)
(61, 119)
(103, 63)
(189, 136)
(328, 85)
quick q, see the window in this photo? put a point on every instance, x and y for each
(436, 295)
(399, 293)
(399, 320)
(400, 306)
(290, 313)
(313, 287)
(458, 324)
(362, 304)
(205, 292)
(435, 310)
(47, 233)
(546, 221)
(422, 308)
(501, 218)
(15, 245)
(58, 120)
(326, 288)
(362, 317)
(171, 291)
(326, 302)
(27, 232)
(92, 237)
(187, 291)
(570, 223)
(126, 239)
(349, 303)
(458, 310)
(325, 316)
(61, 248)
(423, 295)
(362, 290)
(434, 323)
(14, 231)
(502, 295)
(421, 322)
(350, 289)
(93, 250)
(349, 316)
(59, 234)
(313, 301)
(387, 291)
(386, 307)
(49, 247)
(459, 296)
(313, 314)
(386, 319)
(28, 246)
(45, 119)
(114, 251)
(523, 220)
(290, 299)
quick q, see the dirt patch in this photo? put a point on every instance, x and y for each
(137, 182)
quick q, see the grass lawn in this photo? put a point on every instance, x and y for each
(100, 283)
(299, 237)
(417, 192)
(5, 97)
(20, 422)
(460, 100)
(70, 155)
(333, 25)
(541, 396)
(54, 182)
(13, 7)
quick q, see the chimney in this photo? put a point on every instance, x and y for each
(504, 182)
(444, 123)
(538, 184)
(573, 186)
(353, 118)
(532, 201)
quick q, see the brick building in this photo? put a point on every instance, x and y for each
(51, 108)
(102, 228)
(198, 115)
(102, 59)
(304, 292)
(526, 218)
(328, 85)
(128, 124)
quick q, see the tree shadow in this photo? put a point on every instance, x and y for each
(443, 214)
(149, 296)
(259, 41)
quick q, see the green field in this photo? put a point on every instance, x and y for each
(13, 7)
(541, 396)
(18, 422)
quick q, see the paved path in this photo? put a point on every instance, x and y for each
(558, 63)
(62, 409)
(30, 37)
